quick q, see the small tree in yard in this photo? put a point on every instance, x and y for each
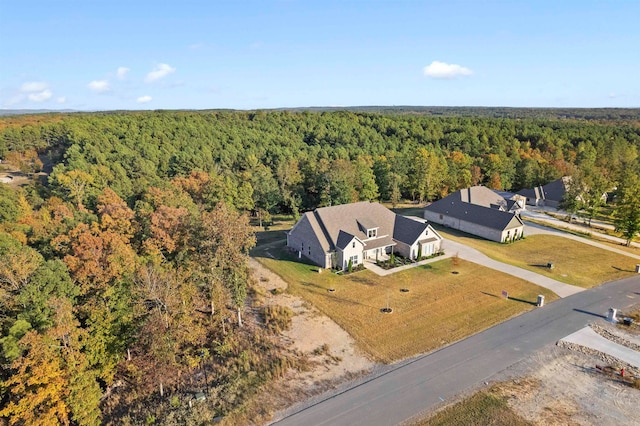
(350, 266)
(627, 215)
(419, 252)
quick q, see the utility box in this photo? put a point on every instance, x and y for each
(611, 316)
(637, 269)
(540, 301)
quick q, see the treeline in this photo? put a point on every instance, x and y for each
(286, 162)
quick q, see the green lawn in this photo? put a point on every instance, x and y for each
(574, 262)
(441, 306)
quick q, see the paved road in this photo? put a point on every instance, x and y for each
(538, 213)
(422, 383)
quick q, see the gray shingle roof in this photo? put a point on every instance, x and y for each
(555, 190)
(408, 230)
(485, 216)
(344, 238)
(336, 226)
(480, 196)
(345, 218)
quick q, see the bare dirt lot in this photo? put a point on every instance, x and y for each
(563, 387)
(332, 352)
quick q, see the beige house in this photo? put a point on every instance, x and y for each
(478, 211)
(330, 237)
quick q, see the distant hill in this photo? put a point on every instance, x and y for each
(489, 112)
(625, 114)
(33, 111)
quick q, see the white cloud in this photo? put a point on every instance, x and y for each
(33, 86)
(99, 86)
(122, 72)
(36, 91)
(40, 96)
(439, 69)
(160, 71)
(61, 100)
(143, 99)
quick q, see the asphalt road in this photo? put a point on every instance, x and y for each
(424, 382)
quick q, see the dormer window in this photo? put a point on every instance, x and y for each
(372, 233)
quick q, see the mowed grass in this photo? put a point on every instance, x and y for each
(479, 409)
(441, 307)
(573, 262)
(588, 234)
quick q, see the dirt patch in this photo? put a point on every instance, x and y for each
(332, 352)
(558, 386)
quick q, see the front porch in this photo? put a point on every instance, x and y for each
(378, 254)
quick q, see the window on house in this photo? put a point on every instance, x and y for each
(354, 260)
(309, 250)
(353, 245)
(372, 233)
(441, 217)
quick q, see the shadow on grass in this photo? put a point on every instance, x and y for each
(492, 295)
(582, 311)
(622, 270)
(361, 280)
(539, 265)
(523, 301)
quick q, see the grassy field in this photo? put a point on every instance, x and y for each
(574, 262)
(588, 233)
(440, 307)
(479, 409)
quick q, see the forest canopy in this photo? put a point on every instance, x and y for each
(124, 275)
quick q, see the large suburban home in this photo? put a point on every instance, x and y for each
(478, 211)
(330, 237)
(549, 195)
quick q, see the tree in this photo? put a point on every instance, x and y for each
(572, 200)
(395, 194)
(38, 386)
(593, 196)
(17, 265)
(76, 183)
(627, 213)
(224, 240)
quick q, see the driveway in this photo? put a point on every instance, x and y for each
(475, 256)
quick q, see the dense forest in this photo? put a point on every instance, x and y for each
(124, 275)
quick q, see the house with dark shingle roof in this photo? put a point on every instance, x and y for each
(478, 211)
(331, 236)
(549, 195)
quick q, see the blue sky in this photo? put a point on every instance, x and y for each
(188, 54)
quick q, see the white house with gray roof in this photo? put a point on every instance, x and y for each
(478, 211)
(331, 236)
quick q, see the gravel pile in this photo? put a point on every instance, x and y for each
(604, 332)
(606, 359)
